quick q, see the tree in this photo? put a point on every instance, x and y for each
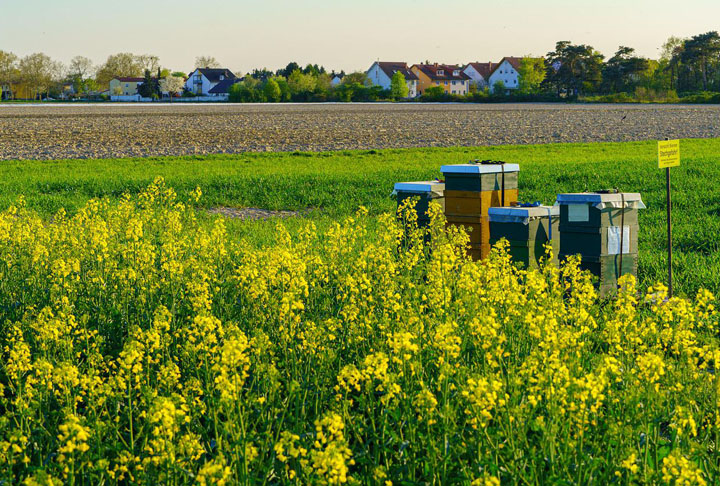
(288, 70)
(532, 73)
(574, 69)
(262, 74)
(38, 71)
(81, 67)
(398, 86)
(624, 70)
(284, 88)
(172, 85)
(206, 62)
(301, 84)
(670, 54)
(148, 62)
(499, 88)
(357, 77)
(147, 88)
(123, 64)
(272, 91)
(9, 73)
(246, 92)
(80, 72)
(702, 54)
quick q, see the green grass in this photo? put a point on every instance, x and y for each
(337, 183)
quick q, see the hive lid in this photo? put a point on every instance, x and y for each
(479, 168)
(602, 200)
(521, 214)
(420, 186)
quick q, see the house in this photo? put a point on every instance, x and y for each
(448, 76)
(202, 80)
(336, 79)
(479, 73)
(506, 71)
(125, 86)
(222, 89)
(381, 73)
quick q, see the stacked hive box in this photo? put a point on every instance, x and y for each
(472, 189)
(603, 229)
(527, 230)
(425, 191)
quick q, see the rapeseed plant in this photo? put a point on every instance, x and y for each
(142, 344)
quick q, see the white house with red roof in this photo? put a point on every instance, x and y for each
(506, 71)
(479, 73)
(381, 73)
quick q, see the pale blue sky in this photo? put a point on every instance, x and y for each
(341, 34)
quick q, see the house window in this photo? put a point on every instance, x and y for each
(440, 72)
(456, 73)
(454, 83)
(222, 77)
(446, 83)
(127, 85)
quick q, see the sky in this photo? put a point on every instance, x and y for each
(342, 34)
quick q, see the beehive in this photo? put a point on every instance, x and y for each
(603, 229)
(425, 191)
(527, 230)
(470, 191)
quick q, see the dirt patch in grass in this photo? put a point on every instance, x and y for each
(255, 213)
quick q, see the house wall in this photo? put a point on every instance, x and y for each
(507, 74)
(204, 87)
(129, 88)
(475, 77)
(412, 88)
(460, 87)
(423, 82)
(378, 77)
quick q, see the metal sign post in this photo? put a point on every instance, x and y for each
(669, 156)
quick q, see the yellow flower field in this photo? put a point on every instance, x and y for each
(143, 346)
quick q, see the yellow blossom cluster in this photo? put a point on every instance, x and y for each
(143, 342)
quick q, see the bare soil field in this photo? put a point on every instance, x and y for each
(117, 130)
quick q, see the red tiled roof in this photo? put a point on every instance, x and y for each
(431, 71)
(390, 68)
(514, 62)
(483, 68)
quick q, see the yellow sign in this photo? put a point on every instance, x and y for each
(668, 153)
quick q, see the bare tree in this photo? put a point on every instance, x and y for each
(121, 64)
(148, 62)
(81, 68)
(38, 71)
(8, 71)
(206, 62)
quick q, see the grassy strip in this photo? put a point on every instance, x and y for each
(339, 182)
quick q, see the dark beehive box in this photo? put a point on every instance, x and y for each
(425, 191)
(480, 177)
(527, 230)
(600, 227)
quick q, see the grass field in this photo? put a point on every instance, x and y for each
(145, 341)
(337, 183)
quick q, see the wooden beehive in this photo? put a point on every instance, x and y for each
(603, 229)
(425, 192)
(527, 230)
(470, 191)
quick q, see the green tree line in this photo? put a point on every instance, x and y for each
(687, 69)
